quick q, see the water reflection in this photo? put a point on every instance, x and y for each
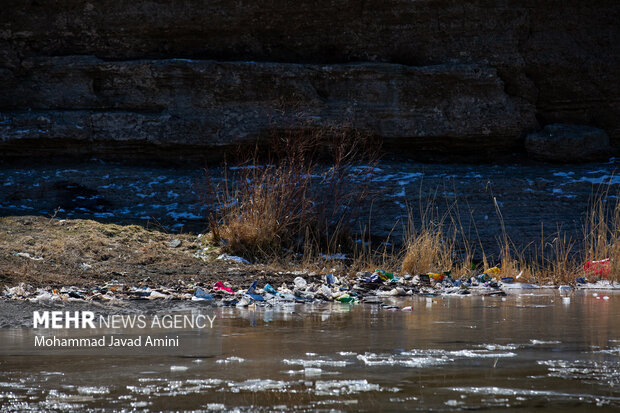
(454, 353)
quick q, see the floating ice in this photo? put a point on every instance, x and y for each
(339, 387)
(232, 359)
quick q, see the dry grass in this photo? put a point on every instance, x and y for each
(61, 247)
(433, 247)
(293, 205)
(602, 233)
(427, 248)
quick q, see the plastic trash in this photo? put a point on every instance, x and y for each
(425, 279)
(239, 260)
(27, 255)
(252, 288)
(600, 268)
(330, 279)
(346, 298)
(175, 243)
(256, 297)
(384, 275)
(493, 271)
(508, 280)
(325, 291)
(243, 302)
(219, 286)
(371, 279)
(114, 287)
(484, 277)
(251, 292)
(436, 276)
(286, 296)
(202, 294)
(44, 296)
(300, 283)
(18, 291)
(581, 280)
(268, 288)
(156, 294)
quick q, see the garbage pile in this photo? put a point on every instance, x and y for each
(366, 287)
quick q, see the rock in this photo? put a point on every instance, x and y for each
(568, 143)
(218, 104)
(410, 77)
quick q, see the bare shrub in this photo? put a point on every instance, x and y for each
(289, 201)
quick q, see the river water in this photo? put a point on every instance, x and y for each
(534, 199)
(522, 351)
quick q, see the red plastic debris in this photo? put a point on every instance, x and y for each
(600, 268)
(220, 286)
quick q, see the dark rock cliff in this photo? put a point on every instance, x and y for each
(456, 76)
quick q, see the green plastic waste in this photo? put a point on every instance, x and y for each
(384, 275)
(346, 298)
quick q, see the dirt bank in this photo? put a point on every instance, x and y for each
(43, 252)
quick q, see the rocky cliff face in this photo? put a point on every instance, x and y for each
(441, 75)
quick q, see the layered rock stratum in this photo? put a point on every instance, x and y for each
(462, 77)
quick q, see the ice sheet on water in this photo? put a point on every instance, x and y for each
(372, 359)
(403, 178)
(419, 358)
(564, 174)
(495, 347)
(340, 387)
(600, 285)
(93, 390)
(182, 215)
(164, 386)
(232, 359)
(259, 385)
(614, 351)
(317, 362)
(502, 391)
(603, 372)
(535, 342)
(601, 180)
